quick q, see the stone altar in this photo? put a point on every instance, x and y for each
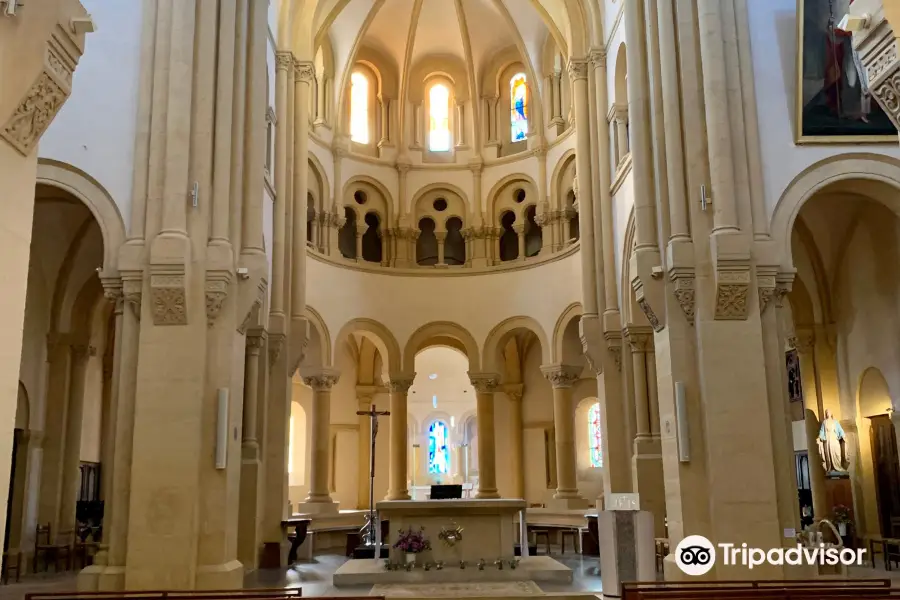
(488, 532)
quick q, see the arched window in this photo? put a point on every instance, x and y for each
(518, 102)
(438, 449)
(439, 127)
(594, 436)
(359, 108)
(291, 445)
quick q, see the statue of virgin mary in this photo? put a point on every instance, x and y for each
(831, 445)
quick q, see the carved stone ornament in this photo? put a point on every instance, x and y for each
(276, 343)
(878, 53)
(400, 384)
(639, 341)
(597, 57)
(112, 291)
(651, 316)
(484, 383)
(561, 376)
(684, 294)
(216, 292)
(132, 291)
(578, 69)
(284, 61)
(617, 356)
(256, 340)
(322, 381)
(43, 100)
(732, 288)
(168, 298)
(304, 71)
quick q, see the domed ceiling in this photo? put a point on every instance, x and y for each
(406, 34)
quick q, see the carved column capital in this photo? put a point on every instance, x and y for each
(484, 383)
(284, 61)
(804, 341)
(276, 344)
(561, 376)
(683, 290)
(514, 391)
(639, 339)
(304, 71)
(400, 383)
(216, 291)
(597, 57)
(256, 340)
(132, 292)
(578, 69)
(321, 380)
(112, 291)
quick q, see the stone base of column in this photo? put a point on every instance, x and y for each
(226, 576)
(111, 579)
(647, 478)
(486, 494)
(627, 549)
(576, 503)
(316, 507)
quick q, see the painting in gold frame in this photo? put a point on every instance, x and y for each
(833, 101)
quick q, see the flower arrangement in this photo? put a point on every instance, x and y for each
(841, 514)
(412, 542)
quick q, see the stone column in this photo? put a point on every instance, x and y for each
(319, 498)
(249, 540)
(360, 230)
(384, 105)
(638, 339)
(71, 459)
(113, 293)
(515, 391)
(485, 385)
(399, 386)
(620, 118)
(779, 414)
(562, 378)
(364, 395)
(441, 237)
(519, 228)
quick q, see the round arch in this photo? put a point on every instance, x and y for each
(493, 344)
(86, 189)
(502, 184)
(558, 349)
(620, 68)
(318, 326)
(431, 187)
(437, 333)
(559, 170)
(379, 335)
(878, 169)
(382, 189)
(324, 186)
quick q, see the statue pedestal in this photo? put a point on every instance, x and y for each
(627, 549)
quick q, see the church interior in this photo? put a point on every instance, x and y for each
(448, 298)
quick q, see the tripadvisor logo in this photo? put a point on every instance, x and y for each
(695, 555)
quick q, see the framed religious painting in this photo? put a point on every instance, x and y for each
(834, 103)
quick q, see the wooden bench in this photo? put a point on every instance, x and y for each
(757, 590)
(240, 594)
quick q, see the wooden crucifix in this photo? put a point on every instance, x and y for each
(369, 533)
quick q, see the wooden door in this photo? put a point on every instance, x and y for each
(887, 471)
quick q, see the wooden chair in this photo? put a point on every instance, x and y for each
(52, 552)
(570, 534)
(12, 561)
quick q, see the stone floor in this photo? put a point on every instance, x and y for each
(315, 579)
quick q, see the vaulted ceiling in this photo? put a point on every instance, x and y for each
(469, 33)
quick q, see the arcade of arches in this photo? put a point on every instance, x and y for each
(485, 228)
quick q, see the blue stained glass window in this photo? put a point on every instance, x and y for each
(518, 99)
(594, 436)
(438, 449)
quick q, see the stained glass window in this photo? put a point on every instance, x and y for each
(594, 436)
(518, 101)
(439, 126)
(438, 449)
(359, 108)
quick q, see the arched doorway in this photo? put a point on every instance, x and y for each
(881, 471)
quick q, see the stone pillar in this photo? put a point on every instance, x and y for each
(515, 391)
(319, 498)
(399, 386)
(562, 378)
(71, 477)
(620, 118)
(44, 49)
(113, 293)
(360, 230)
(57, 386)
(249, 540)
(485, 385)
(638, 339)
(519, 228)
(384, 104)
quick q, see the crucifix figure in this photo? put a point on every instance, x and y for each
(369, 532)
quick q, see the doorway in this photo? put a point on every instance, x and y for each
(886, 465)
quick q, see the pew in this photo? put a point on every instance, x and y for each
(817, 589)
